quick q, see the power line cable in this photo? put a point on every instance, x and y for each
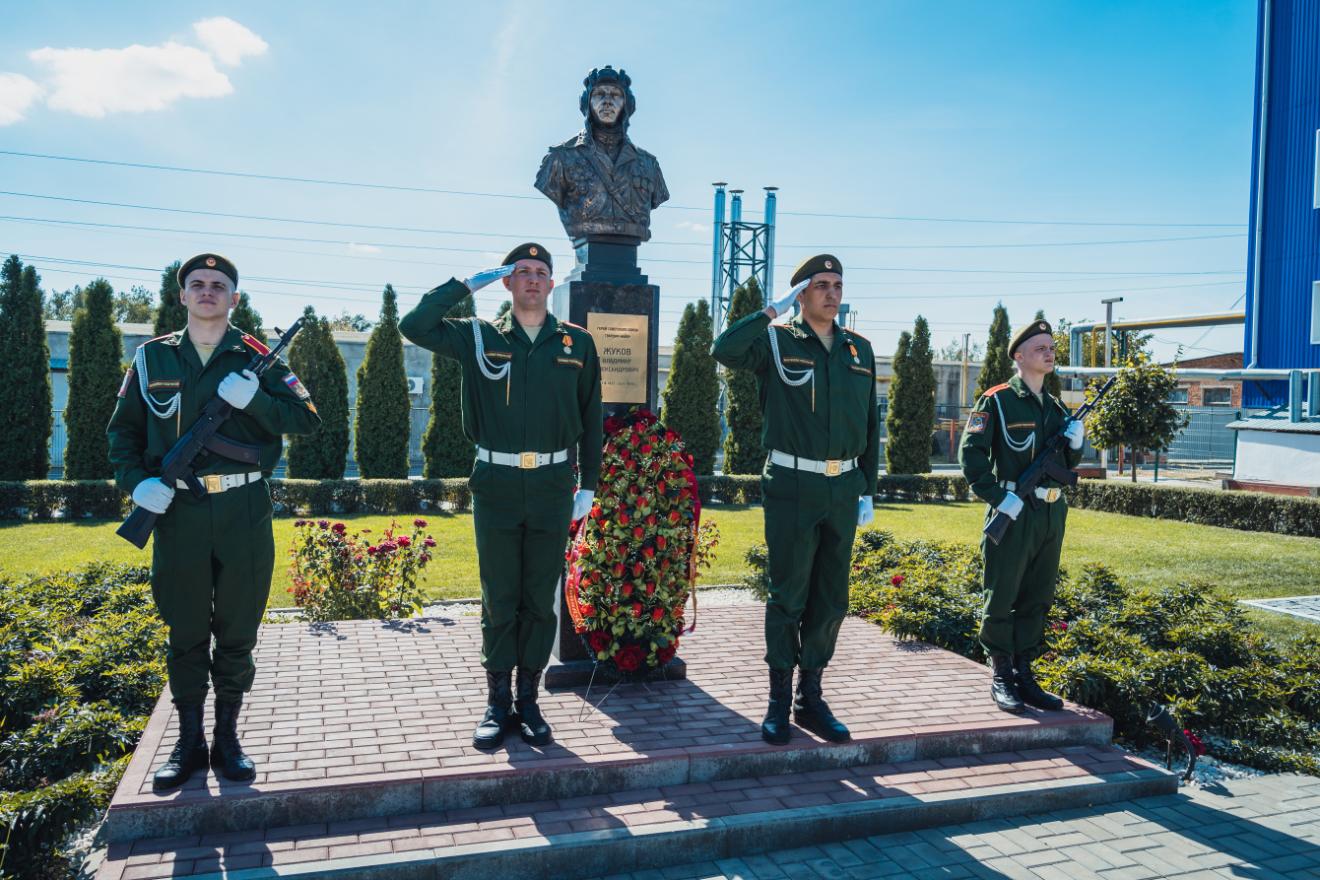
(442, 191)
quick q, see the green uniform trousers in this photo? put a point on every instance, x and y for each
(521, 519)
(810, 521)
(1019, 578)
(210, 576)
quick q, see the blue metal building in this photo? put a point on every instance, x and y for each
(1283, 256)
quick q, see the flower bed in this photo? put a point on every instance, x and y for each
(338, 576)
(634, 561)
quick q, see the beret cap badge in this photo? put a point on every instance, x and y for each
(210, 261)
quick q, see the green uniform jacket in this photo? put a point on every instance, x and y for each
(550, 399)
(838, 420)
(1004, 431)
(139, 439)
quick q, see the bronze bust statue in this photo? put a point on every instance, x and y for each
(604, 186)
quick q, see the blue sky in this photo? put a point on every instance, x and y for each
(1113, 113)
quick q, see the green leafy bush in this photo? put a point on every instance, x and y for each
(1115, 648)
(81, 664)
(338, 576)
(1249, 511)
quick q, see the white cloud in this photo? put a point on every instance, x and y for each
(94, 82)
(17, 93)
(228, 40)
(355, 248)
(692, 226)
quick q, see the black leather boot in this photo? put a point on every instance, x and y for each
(189, 753)
(1003, 688)
(1029, 690)
(775, 729)
(535, 731)
(227, 755)
(811, 711)
(499, 700)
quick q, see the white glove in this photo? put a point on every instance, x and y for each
(152, 494)
(865, 510)
(1074, 432)
(582, 501)
(238, 389)
(486, 276)
(1011, 505)
(785, 302)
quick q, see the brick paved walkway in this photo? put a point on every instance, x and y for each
(1263, 828)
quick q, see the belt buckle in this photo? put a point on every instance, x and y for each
(1052, 494)
(527, 459)
(833, 468)
(214, 483)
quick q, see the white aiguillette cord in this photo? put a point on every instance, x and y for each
(160, 410)
(488, 369)
(802, 377)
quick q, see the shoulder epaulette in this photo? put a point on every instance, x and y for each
(256, 344)
(157, 339)
(859, 336)
(990, 392)
(574, 326)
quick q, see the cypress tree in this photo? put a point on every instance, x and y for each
(692, 392)
(95, 371)
(911, 415)
(1052, 383)
(170, 313)
(998, 366)
(248, 319)
(383, 408)
(316, 360)
(743, 452)
(25, 396)
(446, 450)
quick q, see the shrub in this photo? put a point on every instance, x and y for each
(337, 576)
(1116, 648)
(1249, 511)
(82, 662)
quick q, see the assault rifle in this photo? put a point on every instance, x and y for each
(1048, 463)
(203, 434)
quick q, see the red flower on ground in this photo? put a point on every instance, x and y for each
(1059, 626)
(629, 658)
(897, 579)
(1197, 745)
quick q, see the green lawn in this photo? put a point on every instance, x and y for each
(1149, 551)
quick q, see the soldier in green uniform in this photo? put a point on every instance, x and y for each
(212, 557)
(1005, 428)
(821, 428)
(531, 393)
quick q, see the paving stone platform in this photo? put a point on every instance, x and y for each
(362, 736)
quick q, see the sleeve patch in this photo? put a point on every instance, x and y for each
(976, 423)
(296, 386)
(127, 383)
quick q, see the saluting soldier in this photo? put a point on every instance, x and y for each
(821, 428)
(212, 557)
(531, 393)
(1004, 430)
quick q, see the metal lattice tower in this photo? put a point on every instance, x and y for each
(741, 251)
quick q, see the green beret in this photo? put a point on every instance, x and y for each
(529, 251)
(208, 261)
(1035, 328)
(811, 265)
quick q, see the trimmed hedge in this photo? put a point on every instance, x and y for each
(1248, 511)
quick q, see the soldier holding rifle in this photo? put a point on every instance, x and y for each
(1011, 425)
(214, 551)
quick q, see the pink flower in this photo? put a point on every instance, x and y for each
(419, 523)
(897, 579)
(404, 541)
(429, 542)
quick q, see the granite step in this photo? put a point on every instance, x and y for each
(654, 826)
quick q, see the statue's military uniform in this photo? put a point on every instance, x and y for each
(526, 404)
(599, 195)
(1004, 431)
(212, 558)
(821, 430)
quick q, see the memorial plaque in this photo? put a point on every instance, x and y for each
(621, 342)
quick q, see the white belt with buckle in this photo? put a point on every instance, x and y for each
(216, 483)
(522, 459)
(830, 468)
(1049, 496)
